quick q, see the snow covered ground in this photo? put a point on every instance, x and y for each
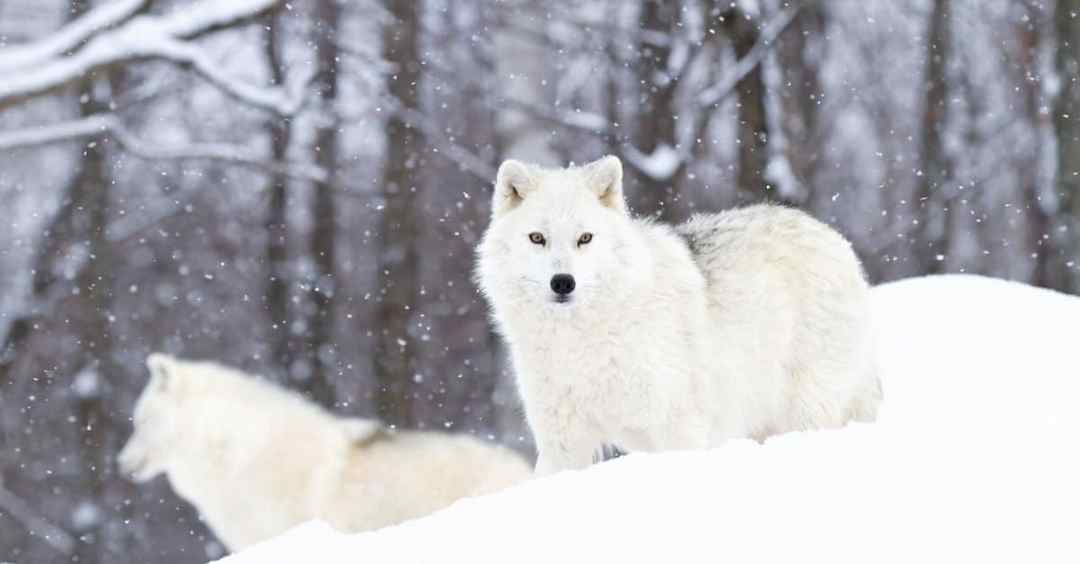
(975, 457)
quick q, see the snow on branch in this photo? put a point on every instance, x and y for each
(662, 164)
(70, 36)
(108, 124)
(211, 15)
(63, 131)
(286, 100)
(158, 37)
(666, 161)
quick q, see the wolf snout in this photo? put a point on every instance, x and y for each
(562, 284)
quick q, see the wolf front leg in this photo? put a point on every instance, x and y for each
(557, 455)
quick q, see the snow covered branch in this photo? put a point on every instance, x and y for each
(143, 37)
(71, 36)
(224, 152)
(108, 124)
(52, 133)
(285, 101)
(665, 162)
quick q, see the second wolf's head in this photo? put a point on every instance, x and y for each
(559, 239)
(148, 451)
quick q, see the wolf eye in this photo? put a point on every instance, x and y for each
(584, 239)
(536, 238)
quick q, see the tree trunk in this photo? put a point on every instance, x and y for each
(800, 50)
(753, 129)
(1039, 212)
(936, 169)
(276, 223)
(659, 24)
(79, 226)
(398, 261)
(90, 192)
(1067, 129)
(320, 344)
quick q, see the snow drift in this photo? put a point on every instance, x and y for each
(974, 458)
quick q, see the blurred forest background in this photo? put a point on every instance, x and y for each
(295, 188)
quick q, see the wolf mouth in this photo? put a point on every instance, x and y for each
(561, 299)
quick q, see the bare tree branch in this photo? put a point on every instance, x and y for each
(726, 85)
(109, 124)
(38, 526)
(666, 163)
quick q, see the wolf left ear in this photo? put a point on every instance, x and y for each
(604, 178)
(161, 369)
(513, 181)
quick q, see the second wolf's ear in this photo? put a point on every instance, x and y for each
(362, 431)
(604, 178)
(513, 181)
(162, 370)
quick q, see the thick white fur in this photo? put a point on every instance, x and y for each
(255, 459)
(747, 323)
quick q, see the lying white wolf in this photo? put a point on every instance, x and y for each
(746, 323)
(256, 460)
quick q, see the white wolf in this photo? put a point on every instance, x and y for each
(746, 323)
(256, 460)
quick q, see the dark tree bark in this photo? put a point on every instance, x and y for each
(79, 227)
(320, 344)
(800, 51)
(932, 236)
(276, 224)
(90, 193)
(1067, 129)
(480, 131)
(659, 23)
(1040, 212)
(398, 230)
(753, 129)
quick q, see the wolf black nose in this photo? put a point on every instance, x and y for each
(562, 284)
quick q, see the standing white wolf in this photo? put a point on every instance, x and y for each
(256, 460)
(746, 323)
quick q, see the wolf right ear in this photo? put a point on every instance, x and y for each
(604, 177)
(513, 181)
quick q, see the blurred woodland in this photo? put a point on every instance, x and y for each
(296, 189)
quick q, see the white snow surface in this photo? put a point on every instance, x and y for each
(975, 458)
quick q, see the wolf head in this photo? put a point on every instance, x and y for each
(559, 239)
(157, 426)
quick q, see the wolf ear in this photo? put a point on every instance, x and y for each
(513, 181)
(162, 370)
(604, 178)
(363, 431)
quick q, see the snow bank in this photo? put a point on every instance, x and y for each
(975, 458)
